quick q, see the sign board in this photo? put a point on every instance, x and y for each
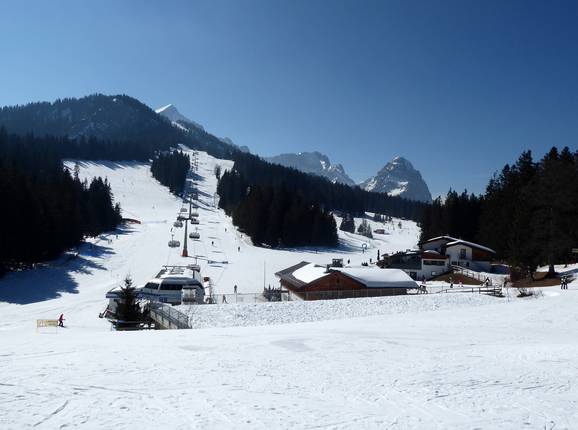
(41, 325)
(46, 323)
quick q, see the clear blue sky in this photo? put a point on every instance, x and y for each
(458, 87)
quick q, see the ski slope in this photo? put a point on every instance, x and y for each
(449, 361)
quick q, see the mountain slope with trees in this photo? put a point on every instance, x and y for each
(46, 209)
(101, 119)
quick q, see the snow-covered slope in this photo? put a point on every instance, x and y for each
(314, 163)
(399, 178)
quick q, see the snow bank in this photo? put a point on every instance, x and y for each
(254, 314)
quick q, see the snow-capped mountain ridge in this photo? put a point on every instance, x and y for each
(172, 114)
(399, 178)
(314, 163)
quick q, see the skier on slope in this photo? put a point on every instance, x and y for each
(61, 320)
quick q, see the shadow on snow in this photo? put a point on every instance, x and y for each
(49, 281)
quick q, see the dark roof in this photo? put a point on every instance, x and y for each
(287, 274)
(425, 255)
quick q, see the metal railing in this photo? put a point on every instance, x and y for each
(489, 290)
(167, 316)
(272, 296)
(350, 294)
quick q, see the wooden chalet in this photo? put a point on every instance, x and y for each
(314, 282)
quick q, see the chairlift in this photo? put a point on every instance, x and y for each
(194, 235)
(178, 223)
(194, 221)
(181, 218)
(194, 214)
(174, 243)
(183, 209)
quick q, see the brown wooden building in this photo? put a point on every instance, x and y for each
(313, 282)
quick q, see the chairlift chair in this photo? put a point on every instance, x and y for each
(194, 221)
(194, 235)
(178, 223)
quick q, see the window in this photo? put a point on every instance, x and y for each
(151, 286)
(170, 287)
(434, 262)
(463, 253)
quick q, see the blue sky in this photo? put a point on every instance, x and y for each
(458, 87)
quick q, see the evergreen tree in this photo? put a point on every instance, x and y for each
(347, 223)
(365, 229)
(128, 309)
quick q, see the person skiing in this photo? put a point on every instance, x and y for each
(235, 289)
(61, 320)
(451, 282)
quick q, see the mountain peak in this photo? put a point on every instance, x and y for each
(172, 114)
(314, 163)
(399, 178)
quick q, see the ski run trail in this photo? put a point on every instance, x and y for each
(442, 361)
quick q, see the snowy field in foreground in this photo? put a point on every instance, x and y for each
(503, 365)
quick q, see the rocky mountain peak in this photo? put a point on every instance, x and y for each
(399, 178)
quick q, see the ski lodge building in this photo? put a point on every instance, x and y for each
(418, 264)
(437, 255)
(314, 282)
(461, 252)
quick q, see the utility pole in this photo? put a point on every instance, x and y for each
(185, 251)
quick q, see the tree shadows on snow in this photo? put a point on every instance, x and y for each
(48, 281)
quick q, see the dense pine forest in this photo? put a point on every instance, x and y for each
(46, 209)
(273, 216)
(528, 214)
(170, 169)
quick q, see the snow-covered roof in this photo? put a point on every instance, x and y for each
(310, 272)
(470, 244)
(433, 239)
(374, 277)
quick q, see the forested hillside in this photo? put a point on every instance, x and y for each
(45, 208)
(108, 127)
(249, 170)
(528, 214)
